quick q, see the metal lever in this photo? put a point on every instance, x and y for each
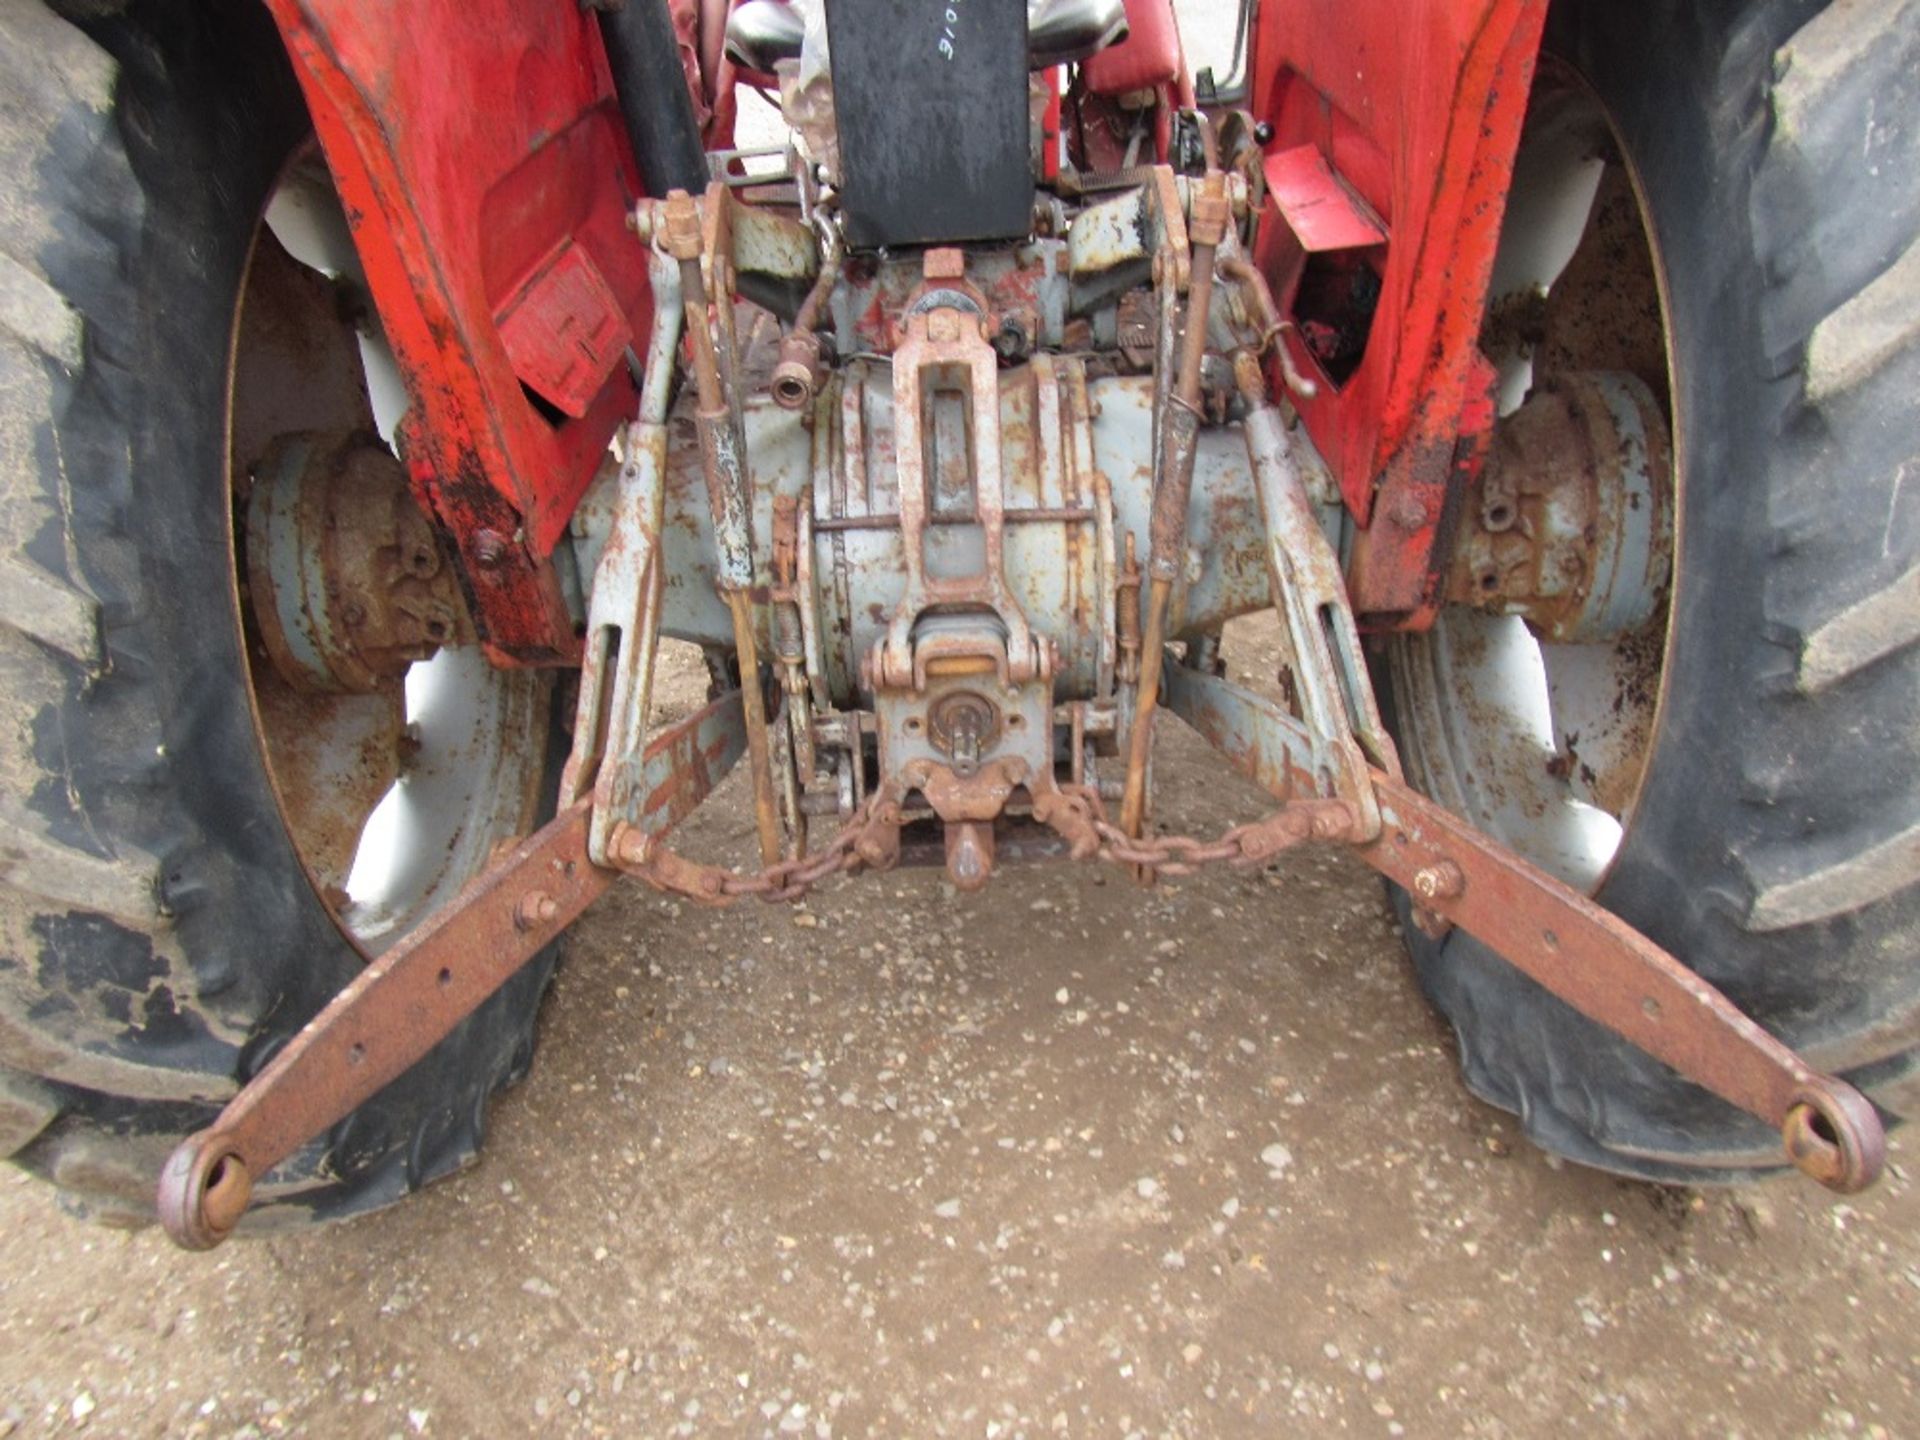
(1173, 486)
(1591, 959)
(410, 998)
(1613, 974)
(623, 611)
(723, 459)
(393, 1013)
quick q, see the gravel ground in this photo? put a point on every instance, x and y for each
(1064, 1157)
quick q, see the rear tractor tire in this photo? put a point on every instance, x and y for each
(1768, 832)
(181, 881)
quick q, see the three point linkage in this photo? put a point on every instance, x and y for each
(410, 998)
(955, 701)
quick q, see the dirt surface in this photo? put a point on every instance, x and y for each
(1065, 1157)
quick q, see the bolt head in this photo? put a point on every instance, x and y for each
(536, 907)
(1441, 880)
(1408, 512)
(944, 262)
(489, 549)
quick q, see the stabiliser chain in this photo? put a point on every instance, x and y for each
(870, 840)
(412, 996)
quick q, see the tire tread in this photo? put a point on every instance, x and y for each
(103, 830)
(1777, 846)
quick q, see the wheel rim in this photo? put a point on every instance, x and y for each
(396, 798)
(1545, 745)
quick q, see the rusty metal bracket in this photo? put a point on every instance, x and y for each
(623, 608)
(391, 1015)
(1343, 730)
(1565, 942)
(944, 353)
(408, 999)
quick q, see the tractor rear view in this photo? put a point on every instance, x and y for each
(381, 385)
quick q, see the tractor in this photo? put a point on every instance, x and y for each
(383, 385)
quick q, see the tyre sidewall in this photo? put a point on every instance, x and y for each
(1687, 85)
(163, 749)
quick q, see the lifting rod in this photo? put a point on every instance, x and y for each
(724, 465)
(1173, 489)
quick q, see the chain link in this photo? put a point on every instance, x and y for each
(1250, 843)
(785, 880)
(790, 880)
(871, 837)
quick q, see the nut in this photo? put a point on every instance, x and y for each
(536, 908)
(962, 723)
(1407, 511)
(629, 845)
(1210, 214)
(680, 217)
(1441, 880)
(489, 549)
